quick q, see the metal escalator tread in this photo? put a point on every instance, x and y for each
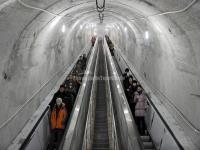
(101, 139)
(147, 142)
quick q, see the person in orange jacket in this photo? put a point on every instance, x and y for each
(58, 122)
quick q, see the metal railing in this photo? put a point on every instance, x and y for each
(73, 139)
(114, 144)
(88, 135)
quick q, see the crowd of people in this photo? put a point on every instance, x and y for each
(135, 95)
(63, 100)
(137, 100)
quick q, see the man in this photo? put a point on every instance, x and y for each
(84, 61)
(68, 100)
(58, 121)
(126, 78)
(59, 94)
(133, 90)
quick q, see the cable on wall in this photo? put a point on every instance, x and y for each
(36, 8)
(170, 12)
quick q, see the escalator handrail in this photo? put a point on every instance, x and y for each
(154, 107)
(77, 105)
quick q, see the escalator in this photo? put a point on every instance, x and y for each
(146, 139)
(101, 139)
(101, 118)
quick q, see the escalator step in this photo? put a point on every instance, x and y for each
(145, 138)
(148, 145)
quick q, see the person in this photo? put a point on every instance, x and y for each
(84, 61)
(111, 47)
(132, 88)
(72, 85)
(58, 121)
(128, 87)
(68, 100)
(59, 94)
(126, 78)
(78, 70)
(140, 108)
(93, 40)
(80, 60)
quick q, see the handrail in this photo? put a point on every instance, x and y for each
(153, 105)
(71, 132)
(115, 141)
(133, 135)
(173, 106)
(90, 108)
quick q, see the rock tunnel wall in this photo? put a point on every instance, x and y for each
(33, 51)
(169, 58)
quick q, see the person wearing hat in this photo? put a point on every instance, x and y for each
(58, 122)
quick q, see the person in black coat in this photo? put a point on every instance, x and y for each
(126, 78)
(59, 94)
(68, 99)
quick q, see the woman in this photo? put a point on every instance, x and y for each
(140, 108)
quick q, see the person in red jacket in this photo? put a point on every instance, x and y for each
(58, 122)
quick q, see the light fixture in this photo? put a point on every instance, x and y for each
(54, 22)
(81, 26)
(125, 28)
(146, 35)
(63, 29)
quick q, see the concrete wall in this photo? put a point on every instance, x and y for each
(169, 59)
(34, 48)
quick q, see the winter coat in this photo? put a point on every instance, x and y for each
(141, 104)
(58, 119)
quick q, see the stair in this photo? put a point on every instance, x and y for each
(101, 138)
(147, 142)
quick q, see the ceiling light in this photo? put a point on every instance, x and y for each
(63, 28)
(146, 35)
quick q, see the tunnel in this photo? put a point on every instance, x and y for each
(159, 41)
